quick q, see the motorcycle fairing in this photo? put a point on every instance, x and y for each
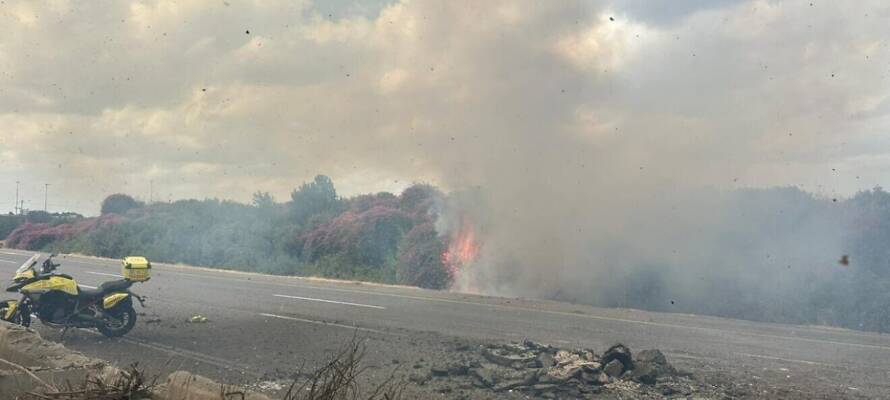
(12, 306)
(55, 282)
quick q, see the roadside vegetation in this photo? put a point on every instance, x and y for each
(316, 233)
(392, 238)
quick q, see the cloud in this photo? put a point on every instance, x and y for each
(503, 95)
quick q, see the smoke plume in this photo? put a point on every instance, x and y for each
(594, 143)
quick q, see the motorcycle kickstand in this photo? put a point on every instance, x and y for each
(64, 331)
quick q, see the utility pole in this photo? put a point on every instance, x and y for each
(15, 207)
(45, 195)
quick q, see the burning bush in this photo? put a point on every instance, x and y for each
(420, 259)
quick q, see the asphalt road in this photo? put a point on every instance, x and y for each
(266, 327)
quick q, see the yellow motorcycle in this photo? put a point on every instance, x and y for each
(59, 302)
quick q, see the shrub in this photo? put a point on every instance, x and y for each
(420, 259)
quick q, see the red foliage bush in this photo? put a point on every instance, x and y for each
(31, 236)
(419, 200)
(366, 237)
(372, 231)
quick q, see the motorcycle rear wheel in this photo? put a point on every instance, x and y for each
(123, 318)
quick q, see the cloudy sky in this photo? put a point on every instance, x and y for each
(223, 98)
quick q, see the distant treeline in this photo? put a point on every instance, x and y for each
(392, 238)
(378, 237)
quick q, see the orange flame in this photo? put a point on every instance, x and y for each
(463, 250)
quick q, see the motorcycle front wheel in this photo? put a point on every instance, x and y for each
(119, 321)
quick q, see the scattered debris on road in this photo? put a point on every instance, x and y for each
(544, 371)
(198, 319)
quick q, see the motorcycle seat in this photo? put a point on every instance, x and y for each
(104, 288)
(114, 286)
(89, 294)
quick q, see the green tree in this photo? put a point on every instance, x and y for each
(263, 200)
(316, 198)
(119, 204)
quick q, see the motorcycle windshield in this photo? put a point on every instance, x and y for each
(28, 264)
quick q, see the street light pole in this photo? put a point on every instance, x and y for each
(15, 207)
(45, 195)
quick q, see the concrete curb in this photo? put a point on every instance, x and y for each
(48, 361)
(53, 362)
(25, 347)
(182, 385)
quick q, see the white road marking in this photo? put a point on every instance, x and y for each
(87, 286)
(11, 254)
(786, 359)
(179, 352)
(9, 262)
(105, 274)
(329, 301)
(309, 321)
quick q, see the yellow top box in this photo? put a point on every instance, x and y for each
(136, 263)
(136, 269)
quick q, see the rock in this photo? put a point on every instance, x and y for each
(645, 373)
(561, 373)
(614, 368)
(657, 360)
(546, 360)
(504, 386)
(485, 376)
(450, 369)
(595, 378)
(591, 367)
(569, 365)
(652, 356)
(419, 378)
(621, 353)
(509, 355)
(594, 389)
(544, 387)
(537, 346)
(458, 369)
(563, 357)
(668, 391)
